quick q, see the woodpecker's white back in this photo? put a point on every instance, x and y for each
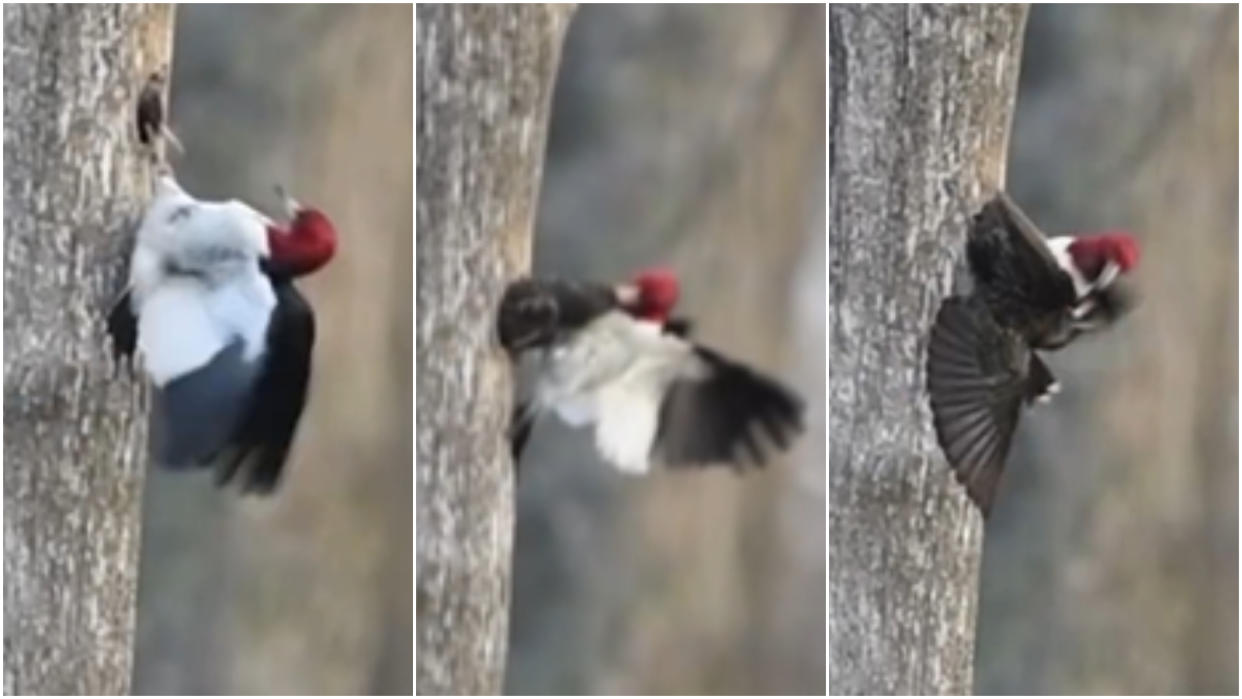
(195, 281)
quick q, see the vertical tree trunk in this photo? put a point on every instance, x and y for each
(920, 108)
(75, 184)
(485, 76)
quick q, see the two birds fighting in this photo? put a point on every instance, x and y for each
(225, 339)
(224, 336)
(1030, 293)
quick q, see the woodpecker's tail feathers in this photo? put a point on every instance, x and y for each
(978, 376)
(520, 425)
(122, 327)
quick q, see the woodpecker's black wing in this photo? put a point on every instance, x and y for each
(123, 328)
(726, 413)
(978, 375)
(537, 312)
(261, 443)
(1015, 271)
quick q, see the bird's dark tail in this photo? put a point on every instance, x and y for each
(978, 376)
(520, 425)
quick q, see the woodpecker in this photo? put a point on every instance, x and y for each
(220, 330)
(612, 357)
(1031, 293)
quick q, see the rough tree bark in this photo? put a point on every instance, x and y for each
(920, 105)
(485, 76)
(74, 185)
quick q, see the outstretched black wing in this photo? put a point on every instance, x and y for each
(261, 443)
(978, 375)
(1015, 271)
(537, 312)
(729, 413)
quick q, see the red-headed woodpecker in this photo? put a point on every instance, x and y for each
(612, 357)
(1031, 293)
(220, 330)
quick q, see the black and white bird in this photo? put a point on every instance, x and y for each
(612, 358)
(213, 317)
(1031, 293)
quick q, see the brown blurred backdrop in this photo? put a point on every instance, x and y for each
(690, 136)
(1111, 561)
(308, 592)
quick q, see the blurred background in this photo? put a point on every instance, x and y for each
(1111, 561)
(691, 136)
(308, 592)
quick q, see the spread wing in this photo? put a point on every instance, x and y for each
(978, 375)
(725, 413)
(1014, 269)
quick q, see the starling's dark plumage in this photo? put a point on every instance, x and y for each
(150, 109)
(537, 312)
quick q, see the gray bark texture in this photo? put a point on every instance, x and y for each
(920, 106)
(75, 184)
(485, 76)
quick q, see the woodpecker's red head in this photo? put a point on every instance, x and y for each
(1092, 253)
(308, 242)
(652, 295)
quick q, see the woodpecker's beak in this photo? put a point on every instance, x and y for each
(291, 205)
(627, 294)
(1111, 270)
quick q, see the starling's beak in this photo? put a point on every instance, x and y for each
(291, 205)
(628, 295)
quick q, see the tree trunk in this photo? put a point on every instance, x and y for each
(920, 108)
(75, 185)
(485, 76)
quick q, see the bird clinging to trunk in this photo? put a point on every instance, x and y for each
(152, 119)
(1031, 293)
(613, 357)
(221, 331)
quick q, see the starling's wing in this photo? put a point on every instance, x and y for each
(1014, 269)
(538, 312)
(978, 375)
